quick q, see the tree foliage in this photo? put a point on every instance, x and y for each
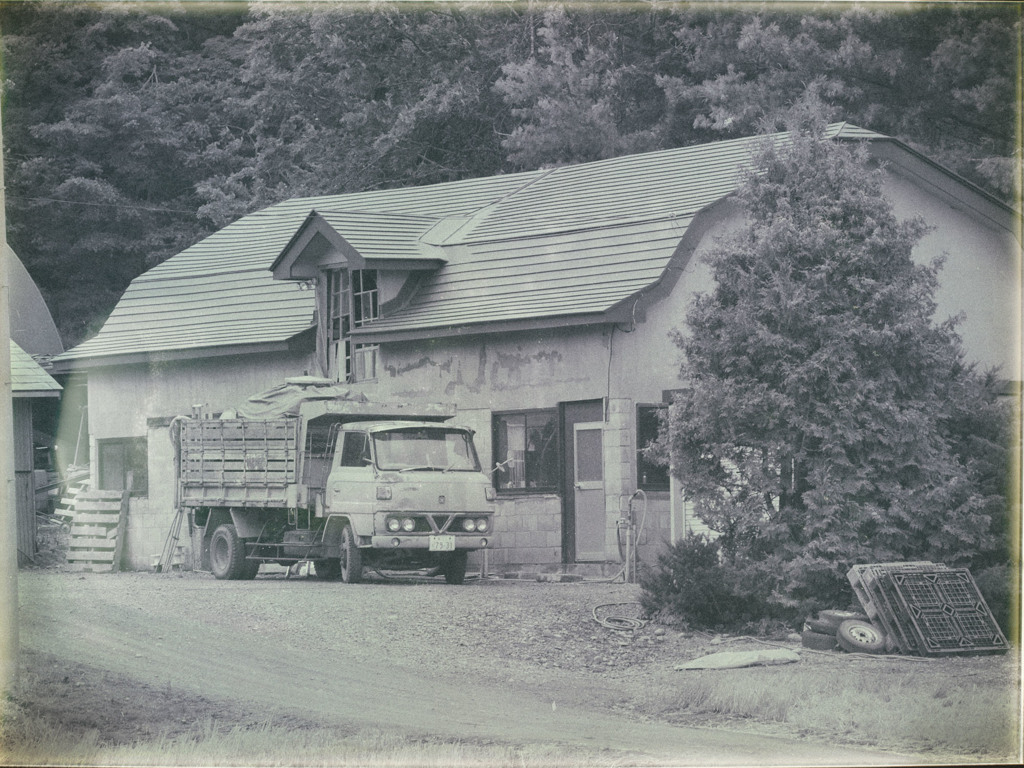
(133, 131)
(827, 419)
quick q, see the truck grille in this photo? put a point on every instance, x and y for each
(435, 522)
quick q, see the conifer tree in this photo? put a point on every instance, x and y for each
(825, 417)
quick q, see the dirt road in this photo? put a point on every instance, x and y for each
(492, 661)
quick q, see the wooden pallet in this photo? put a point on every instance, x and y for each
(97, 531)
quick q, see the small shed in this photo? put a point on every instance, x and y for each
(29, 382)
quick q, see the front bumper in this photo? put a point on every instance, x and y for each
(422, 541)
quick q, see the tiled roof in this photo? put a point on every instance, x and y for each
(573, 240)
(28, 378)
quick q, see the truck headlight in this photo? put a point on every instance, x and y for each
(394, 525)
(482, 524)
(469, 524)
(408, 524)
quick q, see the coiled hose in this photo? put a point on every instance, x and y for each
(622, 623)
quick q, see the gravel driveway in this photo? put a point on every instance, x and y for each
(491, 661)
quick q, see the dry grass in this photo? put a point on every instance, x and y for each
(956, 706)
(30, 743)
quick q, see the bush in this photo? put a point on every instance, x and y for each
(996, 585)
(695, 582)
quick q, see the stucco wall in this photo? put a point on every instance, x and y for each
(980, 277)
(541, 369)
(123, 399)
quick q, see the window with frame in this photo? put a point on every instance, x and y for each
(353, 300)
(526, 450)
(649, 476)
(356, 450)
(124, 465)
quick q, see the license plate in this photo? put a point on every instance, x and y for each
(442, 544)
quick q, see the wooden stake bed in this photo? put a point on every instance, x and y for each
(238, 462)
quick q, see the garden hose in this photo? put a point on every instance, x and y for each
(622, 623)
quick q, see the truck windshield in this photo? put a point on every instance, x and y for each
(426, 448)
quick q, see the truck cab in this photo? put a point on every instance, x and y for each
(412, 492)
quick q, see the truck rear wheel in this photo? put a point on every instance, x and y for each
(327, 570)
(454, 567)
(227, 555)
(351, 557)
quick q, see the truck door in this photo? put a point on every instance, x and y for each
(351, 484)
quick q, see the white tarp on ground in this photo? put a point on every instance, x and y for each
(736, 659)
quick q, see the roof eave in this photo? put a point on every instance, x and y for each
(370, 335)
(19, 394)
(938, 167)
(71, 364)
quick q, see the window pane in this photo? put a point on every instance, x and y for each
(137, 479)
(589, 453)
(124, 465)
(526, 447)
(111, 465)
(425, 448)
(542, 450)
(514, 458)
(364, 362)
(356, 451)
(649, 476)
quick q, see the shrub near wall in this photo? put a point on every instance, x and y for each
(694, 582)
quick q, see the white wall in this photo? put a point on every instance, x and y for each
(122, 399)
(980, 277)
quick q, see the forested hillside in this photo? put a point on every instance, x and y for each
(132, 132)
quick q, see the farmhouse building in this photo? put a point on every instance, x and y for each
(540, 304)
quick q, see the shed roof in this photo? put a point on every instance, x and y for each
(567, 244)
(28, 379)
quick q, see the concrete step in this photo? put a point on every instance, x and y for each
(570, 572)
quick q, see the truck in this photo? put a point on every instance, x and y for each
(345, 484)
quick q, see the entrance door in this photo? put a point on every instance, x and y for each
(588, 490)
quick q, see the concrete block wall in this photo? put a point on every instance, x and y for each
(147, 533)
(619, 469)
(528, 530)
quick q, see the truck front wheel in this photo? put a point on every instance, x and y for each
(351, 557)
(227, 555)
(454, 567)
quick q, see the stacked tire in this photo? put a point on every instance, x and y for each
(848, 630)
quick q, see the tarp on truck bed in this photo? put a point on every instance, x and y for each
(285, 399)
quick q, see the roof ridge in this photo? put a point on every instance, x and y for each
(370, 212)
(484, 211)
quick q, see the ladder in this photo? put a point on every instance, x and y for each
(171, 543)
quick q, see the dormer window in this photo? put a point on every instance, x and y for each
(365, 305)
(352, 302)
